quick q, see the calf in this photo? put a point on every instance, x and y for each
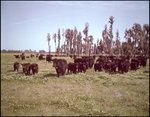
(73, 67)
(98, 66)
(26, 68)
(16, 66)
(60, 66)
(34, 68)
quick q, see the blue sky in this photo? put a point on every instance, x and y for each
(25, 24)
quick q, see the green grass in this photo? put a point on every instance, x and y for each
(92, 93)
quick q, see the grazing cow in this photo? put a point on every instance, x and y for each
(133, 66)
(26, 68)
(17, 56)
(73, 67)
(98, 66)
(60, 66)
(27, 56)
(82, 67)
(16, 66)
(34, 68)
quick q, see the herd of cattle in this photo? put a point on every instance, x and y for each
(107, 63)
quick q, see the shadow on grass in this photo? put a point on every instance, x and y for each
(146, 71)
(54, 75)
(10, 71)
(49, 75)
(24, 73)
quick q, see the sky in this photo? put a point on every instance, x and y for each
(25, 24)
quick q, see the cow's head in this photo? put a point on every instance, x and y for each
(23, 67)
(55, 62)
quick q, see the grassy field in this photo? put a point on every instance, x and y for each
(92, 93)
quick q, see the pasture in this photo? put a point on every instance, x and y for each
(89, 94)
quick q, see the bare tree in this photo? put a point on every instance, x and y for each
(111, 21)
(48, 39)
(59, 40)
(79, 43)
(85, 31)
(54, 38)
(75, 32)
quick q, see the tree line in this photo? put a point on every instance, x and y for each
(137, 41)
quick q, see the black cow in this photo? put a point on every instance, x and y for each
(136, 60)
(133, 66)
(75, 56)
(41, 57)
(121, 66)
(32, 55)
(82, 60)
(143, 60)
(73, 67)
(17, 56)
(16, 66)
(98, 66)
(60, 66)
(82, 67)
(126, 65)
(34, 68)
(107, 66)
(49, 58)
(94, 57)
(37, 55)
(101, 59)
(113, 67)
(27, 56)
(22, 57)
(26, 68)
